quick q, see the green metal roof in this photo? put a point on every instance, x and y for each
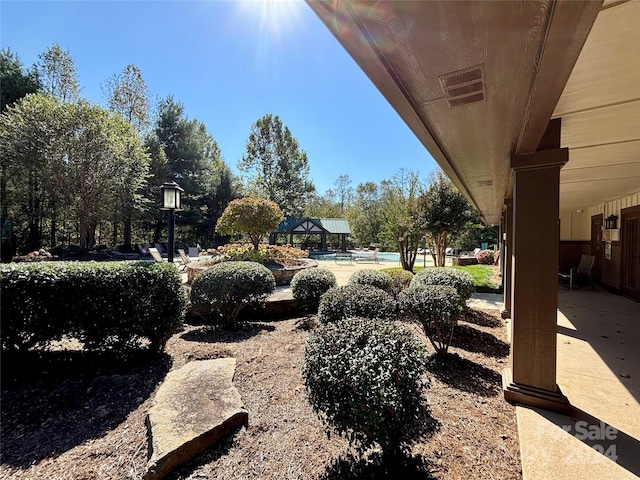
(330, 225)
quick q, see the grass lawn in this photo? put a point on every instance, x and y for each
(485, 277)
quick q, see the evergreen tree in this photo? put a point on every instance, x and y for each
(277, 168)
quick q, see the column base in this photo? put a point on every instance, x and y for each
(505, 313)
(532, 396)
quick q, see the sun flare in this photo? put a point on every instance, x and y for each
(276, 17)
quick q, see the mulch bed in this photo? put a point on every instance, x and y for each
(81, 416)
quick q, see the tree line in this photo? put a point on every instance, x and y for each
(78, 173)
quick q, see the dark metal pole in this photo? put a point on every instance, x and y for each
(170, 244)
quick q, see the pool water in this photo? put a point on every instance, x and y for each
(382, 256)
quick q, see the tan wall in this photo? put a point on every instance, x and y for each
(611, 269)
(575, 225)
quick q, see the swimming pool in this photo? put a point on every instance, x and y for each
(382, 256)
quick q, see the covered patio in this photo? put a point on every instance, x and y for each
(311, 229)
(532, 109)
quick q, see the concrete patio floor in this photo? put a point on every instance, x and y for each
(598, 369)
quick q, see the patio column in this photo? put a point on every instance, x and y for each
(531, 377)
(507, 260)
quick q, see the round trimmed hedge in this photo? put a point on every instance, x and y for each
(339, 303)
(219, 293)
(400, 279)
(373, 278)
(364, 378)
(436, 308)
(451, 277)
(307, 286)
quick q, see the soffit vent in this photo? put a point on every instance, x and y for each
(485, 183)
(464, 86)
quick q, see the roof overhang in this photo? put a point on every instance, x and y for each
(424, 57)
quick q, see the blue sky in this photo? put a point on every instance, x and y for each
(230, 63)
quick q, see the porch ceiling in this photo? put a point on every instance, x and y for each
(525, 53)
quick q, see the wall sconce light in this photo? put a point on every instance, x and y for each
(611, 222)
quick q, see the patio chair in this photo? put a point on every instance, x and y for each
(368, 258)
(185, 258)
(156, 255)
(581, 272)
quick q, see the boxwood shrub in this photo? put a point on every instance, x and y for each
(400, 279)
(107, 305)
(451, 277)
(219, 293)
(307, 286)
(371, 277)
(339, 303)
(436, 308)
(364, 378)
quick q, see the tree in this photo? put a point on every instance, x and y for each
(278, 170)
(77, 151)
(58, 75)
(344, 192)
(127, 94)
(445, 211)
(15, 80)
(322, 206)
(255, 217)
(182, 150)
(29, 131)
(400, 213)
(365, 217)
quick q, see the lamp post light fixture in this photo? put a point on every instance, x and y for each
(172, 202)
(611, 222)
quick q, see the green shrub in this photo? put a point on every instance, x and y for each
(461, 281)
(236, 252)
(308, 286)
(371, 277)
(339, 303)
(436, 308)
(400, 279)
(109, 305)
(364, 379)
(220, 292)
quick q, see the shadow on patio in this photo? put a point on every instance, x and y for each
(598, 369)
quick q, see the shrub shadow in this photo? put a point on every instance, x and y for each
(54, 401)
(465, 375)
(474, 340)
(375, 467)
(480, 318)
(216, 335)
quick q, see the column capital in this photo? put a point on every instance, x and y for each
(555, 157)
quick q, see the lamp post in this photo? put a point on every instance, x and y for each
(172, 202)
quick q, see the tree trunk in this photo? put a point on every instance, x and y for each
(53, 221)
(127, 232)
(158, 231)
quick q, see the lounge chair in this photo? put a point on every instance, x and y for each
(346, 256)
(581, 272)
(368, 258)
(185, 259)
(156, 255)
